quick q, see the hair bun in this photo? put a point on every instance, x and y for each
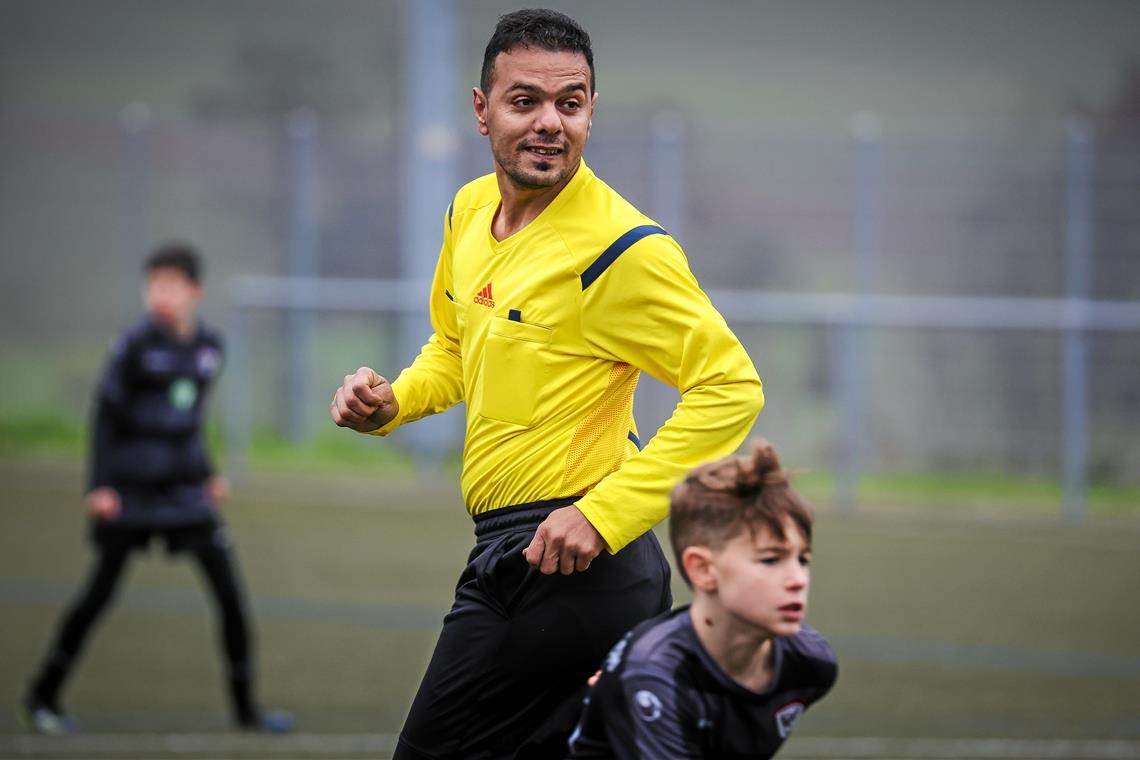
(742, 475)
(764, 459)
(732, 474)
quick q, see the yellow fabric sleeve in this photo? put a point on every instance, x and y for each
(434, 381)
(648, 310)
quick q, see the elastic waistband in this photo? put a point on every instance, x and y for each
(519, 516)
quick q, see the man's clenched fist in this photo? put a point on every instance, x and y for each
(364, 402)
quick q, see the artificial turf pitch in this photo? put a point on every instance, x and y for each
(947, 628)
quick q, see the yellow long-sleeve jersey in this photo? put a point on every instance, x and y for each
(544, 334)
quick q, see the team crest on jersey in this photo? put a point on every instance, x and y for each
(648, 705)
(208, 360)
(787, 716)
(183, 393)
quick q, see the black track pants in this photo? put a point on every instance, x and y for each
(509, 671)
(210, 548)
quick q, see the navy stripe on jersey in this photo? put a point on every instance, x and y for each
(633, 437)
(617, 248)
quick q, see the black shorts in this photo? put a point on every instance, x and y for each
(509, 670)
(114, 536)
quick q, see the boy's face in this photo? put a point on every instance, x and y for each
(170, 296)
(762, 580)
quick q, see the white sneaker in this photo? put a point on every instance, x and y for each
(45, 720)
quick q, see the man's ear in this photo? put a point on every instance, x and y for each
(479, 105)
(593, 110)
(698, 564)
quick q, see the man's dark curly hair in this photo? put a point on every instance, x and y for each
(536, 28)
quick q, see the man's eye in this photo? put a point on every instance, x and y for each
(522, 102)
(769, 560)
(571, 105)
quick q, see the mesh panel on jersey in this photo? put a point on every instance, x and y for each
(599, 443)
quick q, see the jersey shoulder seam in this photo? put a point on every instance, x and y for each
(476, 194)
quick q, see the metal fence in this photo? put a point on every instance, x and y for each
(870, 339)
(943, 303)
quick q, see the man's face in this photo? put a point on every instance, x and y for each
(764, 581)
(538, 114)
(170, 296)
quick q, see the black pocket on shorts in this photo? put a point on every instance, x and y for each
(503, 573)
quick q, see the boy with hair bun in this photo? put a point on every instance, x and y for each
(728, 675)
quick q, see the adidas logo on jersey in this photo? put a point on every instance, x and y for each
(484, 297)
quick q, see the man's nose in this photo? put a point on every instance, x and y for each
(547, 120)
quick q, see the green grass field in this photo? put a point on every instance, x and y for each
(950, 628)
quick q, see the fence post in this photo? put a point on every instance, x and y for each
(1078, 248)
(667, 172)
(301, 245)
(134, 121)
(850, 346)
(236, 416)
(429, 181)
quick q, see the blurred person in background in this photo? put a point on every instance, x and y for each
(151, 478)
(728, 675)
(551, 294)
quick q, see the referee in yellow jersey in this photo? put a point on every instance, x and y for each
(551, 295)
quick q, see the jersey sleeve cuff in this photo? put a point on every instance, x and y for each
(609, 532)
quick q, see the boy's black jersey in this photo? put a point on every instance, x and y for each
(148, 424)
(662, 697)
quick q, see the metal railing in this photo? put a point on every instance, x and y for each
(1071, 318)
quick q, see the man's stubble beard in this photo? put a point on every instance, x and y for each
(528, 180)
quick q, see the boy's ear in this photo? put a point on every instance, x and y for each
(697, 562)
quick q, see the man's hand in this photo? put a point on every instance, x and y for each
(565, 542)
(364, 402)
(104, 503)
(217, 489)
